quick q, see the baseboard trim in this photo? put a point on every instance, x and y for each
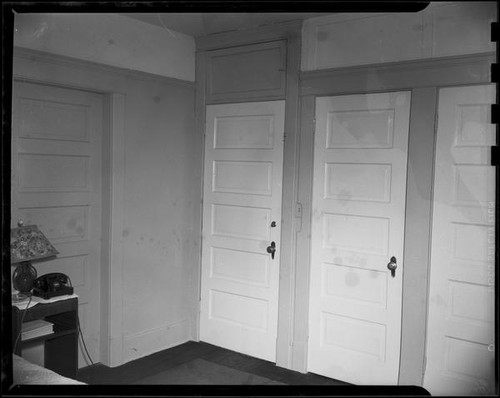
(145, 343)
(299, 356)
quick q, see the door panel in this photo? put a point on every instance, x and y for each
(242, 199)
(359, 191)
(460, 351)
(56, 184)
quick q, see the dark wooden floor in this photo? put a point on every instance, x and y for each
(133, 372)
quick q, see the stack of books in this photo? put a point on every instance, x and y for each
(36, 328)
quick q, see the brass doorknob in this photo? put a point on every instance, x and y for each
(272, 249)
(393, 264)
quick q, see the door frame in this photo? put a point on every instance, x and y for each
(59, 71)
(104, 198)
(290, 210)
(426, 76)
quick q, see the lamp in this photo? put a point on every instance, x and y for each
(27, 244)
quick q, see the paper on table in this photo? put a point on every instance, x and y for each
(38, 300)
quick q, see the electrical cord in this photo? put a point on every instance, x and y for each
(80, 330)
(83, 341)
(22, 320)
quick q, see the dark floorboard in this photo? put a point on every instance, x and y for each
(135, 371)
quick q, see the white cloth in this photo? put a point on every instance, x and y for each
(26, 372)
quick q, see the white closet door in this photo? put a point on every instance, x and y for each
(56, 184)
(460, 351)
(359, 191)
(241, 219)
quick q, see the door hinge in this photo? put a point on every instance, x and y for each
(298, 209)
(314, 126)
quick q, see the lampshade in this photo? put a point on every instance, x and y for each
(28, 243)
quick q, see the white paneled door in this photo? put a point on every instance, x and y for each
(241, 227)
(359, 191)
(460, 338)
(56, 184)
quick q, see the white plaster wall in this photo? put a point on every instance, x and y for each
(162, 217)
(157, 174)
(441, 29)
(109, 39)
(153, 296)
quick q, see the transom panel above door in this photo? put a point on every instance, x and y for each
(359, 192)
(242, 226)
(254, 71)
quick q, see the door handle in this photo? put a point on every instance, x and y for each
(393, 264)
(272, 249)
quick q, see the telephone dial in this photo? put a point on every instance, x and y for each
(52, 285)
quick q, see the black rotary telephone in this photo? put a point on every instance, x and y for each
(52, 285)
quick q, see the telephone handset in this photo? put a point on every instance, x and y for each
(52, 285)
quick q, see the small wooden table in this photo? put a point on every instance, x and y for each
(61, 347)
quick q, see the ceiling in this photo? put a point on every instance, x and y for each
(203, 24)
